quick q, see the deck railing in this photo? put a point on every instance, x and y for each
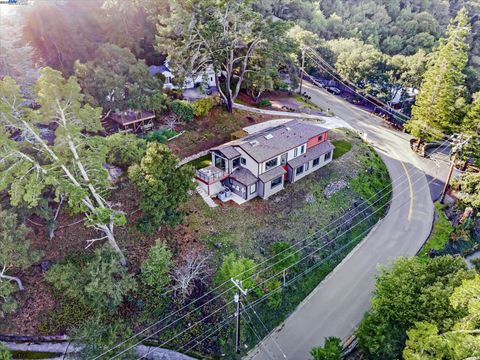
(210, 174)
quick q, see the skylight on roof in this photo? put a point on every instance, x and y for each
(288, 129)
(254, 143)
(268, 136)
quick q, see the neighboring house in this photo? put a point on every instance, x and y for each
(207, 77)
(260, 163)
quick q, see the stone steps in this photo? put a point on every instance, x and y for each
(205, 197)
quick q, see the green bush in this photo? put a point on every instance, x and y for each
(264, 103)
(183, 109)
(156, 267)
(99, 284)
(202, 107)
(332, 350)
(440, 233)
(161, 136)
(125, 149)
(4, 353)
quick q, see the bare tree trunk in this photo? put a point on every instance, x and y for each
(13, 278)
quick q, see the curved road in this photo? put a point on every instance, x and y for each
(337, 305)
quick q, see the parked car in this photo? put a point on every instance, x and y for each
(334, 90)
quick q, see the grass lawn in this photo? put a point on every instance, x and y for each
(306, 103)
(440, 233)
(341, 148)
(201, 162)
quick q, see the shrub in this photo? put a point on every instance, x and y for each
(183, 109)
(4, 353)
(332, 350)
(264, 103)
(160, 136)
(203, 106)
(100, 284)
(156, 267)
(125, 149)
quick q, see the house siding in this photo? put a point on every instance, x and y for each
(250, 164)
(268, 191)
(293, 177)
(316, 140)
(236, 187)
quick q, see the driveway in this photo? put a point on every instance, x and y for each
(337, 305)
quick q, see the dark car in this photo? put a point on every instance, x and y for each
(334, 90)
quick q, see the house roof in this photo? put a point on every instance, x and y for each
(228, 151)
(157, 69)
(244, 176)
(312, 153)
(276, 140)
(272, 174)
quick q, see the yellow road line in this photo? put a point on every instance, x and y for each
(410, 187)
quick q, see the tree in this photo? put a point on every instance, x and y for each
(284, 257)
(470, 189)
(99, 283)
(202, 107)
(331, 350)
(96, 337)
(16, 58)
(115, 79)
(224, 34)
(192, 267)
(440, 104)
(125, 149)
(241, 269)
(461, 341)
(15, 253)
(73, 167)
(411, 291)
(156, 268)
(162, 184)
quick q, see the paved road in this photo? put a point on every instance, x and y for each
(337, 305)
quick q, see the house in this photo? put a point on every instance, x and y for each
(259, 164)
(206, 77)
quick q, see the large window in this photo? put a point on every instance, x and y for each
(271, 164)
(302, 149)
(328, 155)
(236, 163)
(283, 159)
(253, 188)
(276, 182)
(316, 162)
(299, 170)
(220, 163)
(243, 161)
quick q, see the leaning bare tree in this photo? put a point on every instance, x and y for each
(223, 34)
(73, 166)
(193, 266)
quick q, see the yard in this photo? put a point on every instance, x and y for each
(304, 209)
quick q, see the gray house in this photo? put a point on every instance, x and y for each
(260, 163)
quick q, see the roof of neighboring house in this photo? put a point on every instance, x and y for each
(157, 69)
(272, 174)
(228, 151)
(273, 141)
(244, 176)
(312, 153)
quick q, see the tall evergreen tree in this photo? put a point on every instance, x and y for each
(440, 105)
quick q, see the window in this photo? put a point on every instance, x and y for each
(283, 159)
(253, 188)
(316, 162)
(328, 155)
(299, 170)
(306, 166)
(236, 163)
(302, 149)
(320, 138)
(220, 163)
(271, 164)
(243, 161)
(295, 152)
(276, 182)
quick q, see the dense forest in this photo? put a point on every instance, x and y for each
(109, 256)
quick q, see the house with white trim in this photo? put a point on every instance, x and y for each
(260, 164)
(204, 77)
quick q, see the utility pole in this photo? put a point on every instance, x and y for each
(456, 149)
(302, 70)
(236, 299)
